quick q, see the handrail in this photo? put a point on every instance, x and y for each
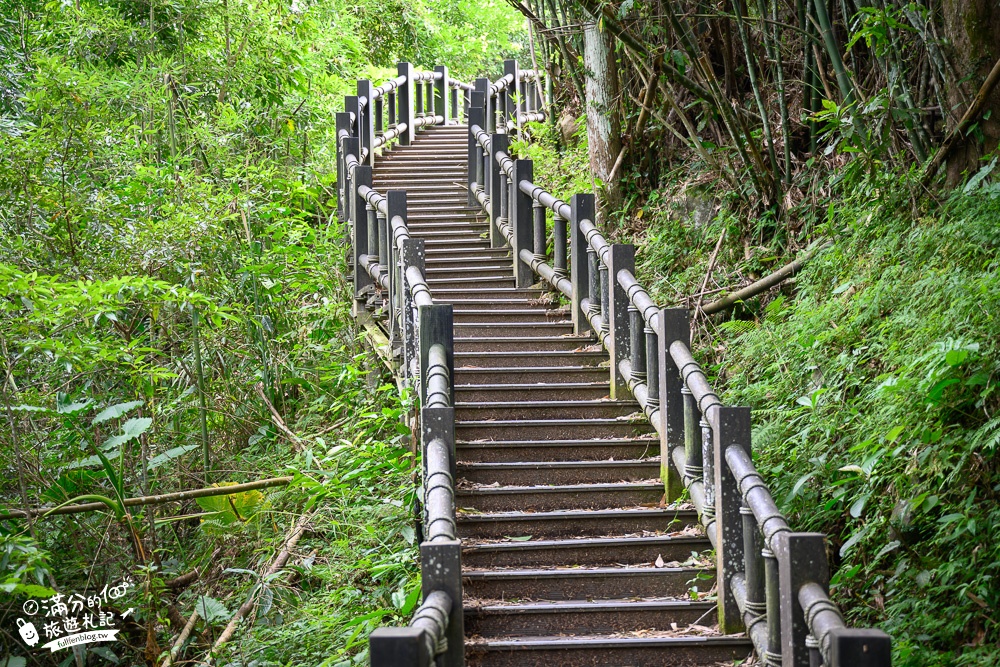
(390, 282)
(770, 579)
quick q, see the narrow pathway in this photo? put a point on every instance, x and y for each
(568, 557)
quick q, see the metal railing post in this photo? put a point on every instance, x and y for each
(559, 251)
(732, 429)
(394, 647)
(357, 206)
(392, 109)
(413, 255)
(521, 223)
(510, 94)
(343, 120)
(672, 326)
(395, 201)
(454, 104)
(498, 144)
(801, 559)
(441, 94)
(477, 115)
(435, 326)
(581, 208)
(620, 257)
(366, 129)
(379, 115)
(406, 109)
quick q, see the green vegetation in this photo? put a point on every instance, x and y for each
(172, 286)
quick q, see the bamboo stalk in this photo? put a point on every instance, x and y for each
(185, 633)
(42, 512)
(202, 402)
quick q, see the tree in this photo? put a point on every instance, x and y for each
(603, 120)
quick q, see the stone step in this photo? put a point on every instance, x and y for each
(564, 497)
(598, 583)
(540, 313)
(574, 523)
(611, 650)
(497, 619)
(585, 551)
(467, 411)
(505, 451)
(480, 282)
(558, 472)
(472, 271)
(542, 429)
(521, 330)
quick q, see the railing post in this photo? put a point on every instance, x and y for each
(395, 201)
(620, 257)
(366, 129)
(406, 113)
(435, 326)
(441, 94)
(454, 103)
(510, 96)
(359, 223)
(732, 428)
(343, 120)
(858, 647)
(559, 252)
(801, 560)
(379, 115)
(395, 647)
(476, 117)
(581, 208)
(498, 144)
(521, 222)
(413, 255)
(538, 245)
(672, 325)
(392, 109)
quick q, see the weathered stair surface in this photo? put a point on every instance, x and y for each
(569, 558)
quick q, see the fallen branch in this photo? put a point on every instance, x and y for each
(150, 500)
(248, 606)
(761, 285)
(958, 133)
(276, 418)
(185, 633)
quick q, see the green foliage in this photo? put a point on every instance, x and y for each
(161, 161)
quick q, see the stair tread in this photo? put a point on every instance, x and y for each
(514, 465)
(560, 488)
(558, 606)
(531, 545)
(645, 638)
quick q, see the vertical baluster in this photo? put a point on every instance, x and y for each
(366, 130)
(498, 144)
(343, 120)
(671, 327)
(581, 208)
(773, 603)
(637, 343)
(392, 109)
(361, 175)
(372, 231)
(605, 316)
(753, 568)
(692, 440)
(594, 289)
(708, 476)
(441, 94)
(815, 659)
(620, 258)
(418, 104)
(559, 245)
(539, 231)
(454, 104)
(476, 118)
(379, 113)
(652, 371)
(504, 221)
(383, 240)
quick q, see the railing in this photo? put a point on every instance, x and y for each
(772, 582)
(388, 279)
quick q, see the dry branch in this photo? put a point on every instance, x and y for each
(248, 606)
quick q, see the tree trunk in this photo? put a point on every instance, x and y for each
(603, 120)
(972, 28)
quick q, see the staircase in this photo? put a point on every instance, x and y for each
(569, 557)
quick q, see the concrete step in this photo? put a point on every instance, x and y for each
(505, 374)
(471, 312)
(437, 271)
(513, 343)
(574, 523)
(537, 410)
(520, 330)
(564, 497)
(534, 392)
(503, 360)
(481, 282)
(530, 294)
(599, 583)
(558, 472)
(580, 616)
(542, 429)
(504, 451)
(586, 551)
(611, 650)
